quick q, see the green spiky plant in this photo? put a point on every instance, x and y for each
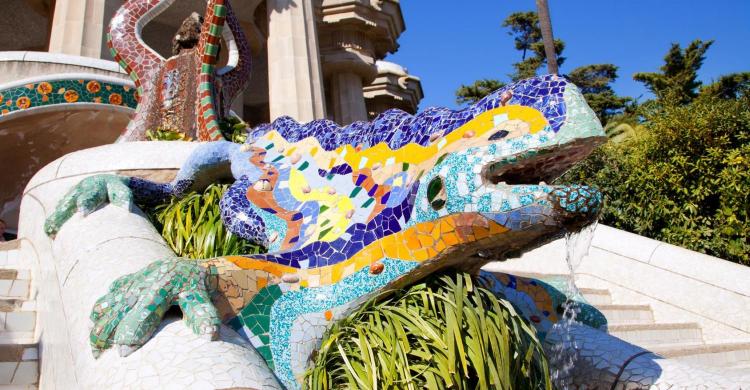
(193, 228)
(444, 332)
(233, 129)
(166, 135)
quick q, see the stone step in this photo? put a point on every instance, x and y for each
(741, 369)
(9, 254)
(627, 314)
(19, 364)
(726, 355)
(596, 296)
(651, 335)
(14, 283)
(17, 315)
(17, 338)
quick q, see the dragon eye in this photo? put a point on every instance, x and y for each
(436, 193)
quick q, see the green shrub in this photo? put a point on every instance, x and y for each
(193, 228)
(684, 179)
(445, 332)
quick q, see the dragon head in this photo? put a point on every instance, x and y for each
(489, 177)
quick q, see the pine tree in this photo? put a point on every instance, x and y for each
(678, 79)
(474, 92)
(729, 86)
(595, 83)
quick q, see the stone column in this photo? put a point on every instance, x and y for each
(348, 100)
(353, 35)
(78, 27)
(294, 75)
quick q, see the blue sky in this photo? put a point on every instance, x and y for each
(447, 43)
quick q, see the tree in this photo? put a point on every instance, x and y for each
(550, 44)
(678, 78)
(729, 86)
(523, 28)
(595, 84)
(527, 34)
(530, 66)
(474, 92)
(527, 68)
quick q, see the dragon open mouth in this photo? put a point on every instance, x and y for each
(542, 165)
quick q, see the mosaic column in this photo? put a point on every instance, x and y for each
(78, 27)
(294, 76)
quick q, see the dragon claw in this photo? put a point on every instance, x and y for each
(126, 350)
(87, 196)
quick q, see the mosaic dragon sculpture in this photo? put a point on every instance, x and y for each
(348, 212)
(184, 93)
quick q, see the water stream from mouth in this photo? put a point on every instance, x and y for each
(564, 354)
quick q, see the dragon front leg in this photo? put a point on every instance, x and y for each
(208, 292)
(207, 164)
(131, 311)
(87, 196)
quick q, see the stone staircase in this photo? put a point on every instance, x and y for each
(19, 354)
(679, 340)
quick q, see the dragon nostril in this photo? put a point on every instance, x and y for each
(499, 135)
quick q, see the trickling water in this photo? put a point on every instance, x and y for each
(565, 352)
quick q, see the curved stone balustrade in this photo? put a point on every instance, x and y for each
(55, 104)
(19, 65)
(680, 304)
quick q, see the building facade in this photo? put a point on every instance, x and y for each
(312, 59)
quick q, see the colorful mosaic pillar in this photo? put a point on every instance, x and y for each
(204, 93)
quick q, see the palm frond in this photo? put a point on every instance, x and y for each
(445, 332)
